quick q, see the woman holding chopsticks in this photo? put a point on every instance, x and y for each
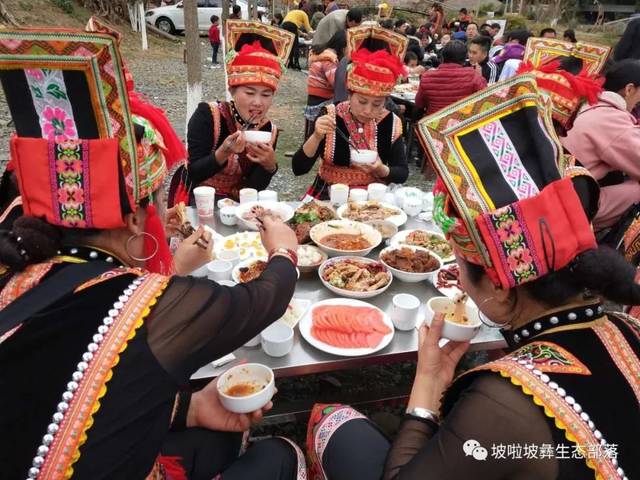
(360, 123)
(220, 153)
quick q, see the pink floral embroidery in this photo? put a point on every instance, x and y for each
(519, 259)
(68, 167)
(508, 231)
(11, 44)
(58, 126)
(35, 73)
(71, 195)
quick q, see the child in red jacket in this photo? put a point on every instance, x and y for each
(214, 38)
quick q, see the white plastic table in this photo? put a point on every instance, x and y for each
(306, 359)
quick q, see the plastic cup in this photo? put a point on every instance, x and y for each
(268, 196)
(339, 194)
(248, 195)
(404, 312)
(377, 191)
(205, 200)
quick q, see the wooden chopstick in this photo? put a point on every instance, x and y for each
(347, 139)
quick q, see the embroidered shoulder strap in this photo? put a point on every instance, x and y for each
(330, 139)
(397, 129)
(64, 436)
(215, 115)
(528, 368)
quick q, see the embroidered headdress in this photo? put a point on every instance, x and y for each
(376, 60)
(501, 197)
(79, 158)
(542, 50)
(567, 90)
(257, 53)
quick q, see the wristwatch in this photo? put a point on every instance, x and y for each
(424, 414)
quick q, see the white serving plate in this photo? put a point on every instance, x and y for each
(400, 237)
(235, 273)
(247, 244)
(318, 232)
(398, 220)
(307, 322)
(285, 211)
(348, 293)
(302, 305)
(411, 277)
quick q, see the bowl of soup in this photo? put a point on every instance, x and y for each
(246, 388)
(459, 328)
(345, 237)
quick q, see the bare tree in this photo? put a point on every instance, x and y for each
(6, 16)
(110, 9)
(225, 14)
(194, 60)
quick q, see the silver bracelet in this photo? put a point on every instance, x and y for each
(424, 414)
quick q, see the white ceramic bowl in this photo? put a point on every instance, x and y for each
(235, 273)
(219, 270)
(228, 215)
(226, 202)
(451, 330)
(411, 277)
(386, 228)
(251, 373)
(277, 339)
(257, 136)
(364, 157)
(321, 230)
(285, 211)
(349, 293)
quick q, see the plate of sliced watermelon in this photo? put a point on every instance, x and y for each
(346, 327)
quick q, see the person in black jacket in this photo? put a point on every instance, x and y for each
(629, 44)
(479, 57)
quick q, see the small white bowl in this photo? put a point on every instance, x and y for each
(349, 293)
(232, 256)
(219, 270)
(364, 157)
(411, 277)
(277, 339)
(257, 136)
(358, 195)
(226, 202)
(249, 373)
(228, 216)
(321, 230)
(451, 330)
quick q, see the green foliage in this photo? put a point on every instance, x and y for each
(65, 5)
(26, 6)
(497, 8)
(516, 22)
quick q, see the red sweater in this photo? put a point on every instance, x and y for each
(214, 34)
(447, 84)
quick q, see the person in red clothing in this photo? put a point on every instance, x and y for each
(214, 38)
(450, 82)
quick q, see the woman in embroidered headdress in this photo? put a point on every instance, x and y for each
(95, 339)
(563, 403)
(363, 119)
(219, 156)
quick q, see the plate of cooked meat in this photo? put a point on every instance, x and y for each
(249, 214)
(432, 241)
(371, 210)
(309, 215)
(411, 264)
(355, 277)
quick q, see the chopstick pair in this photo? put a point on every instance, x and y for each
(347, 139)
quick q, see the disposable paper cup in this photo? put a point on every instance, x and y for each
(404, 312)
(205, 200)
(228, 216)
(358, 195)
(277, 339)
(412, 206)
(377, 191)
(268, 196)
(248, 195)
(339, 194)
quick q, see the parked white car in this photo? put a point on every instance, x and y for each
(170, 19)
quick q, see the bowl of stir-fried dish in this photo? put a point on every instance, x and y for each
(355, 277)
(411, 264)
(307, 216)
(251, 213)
